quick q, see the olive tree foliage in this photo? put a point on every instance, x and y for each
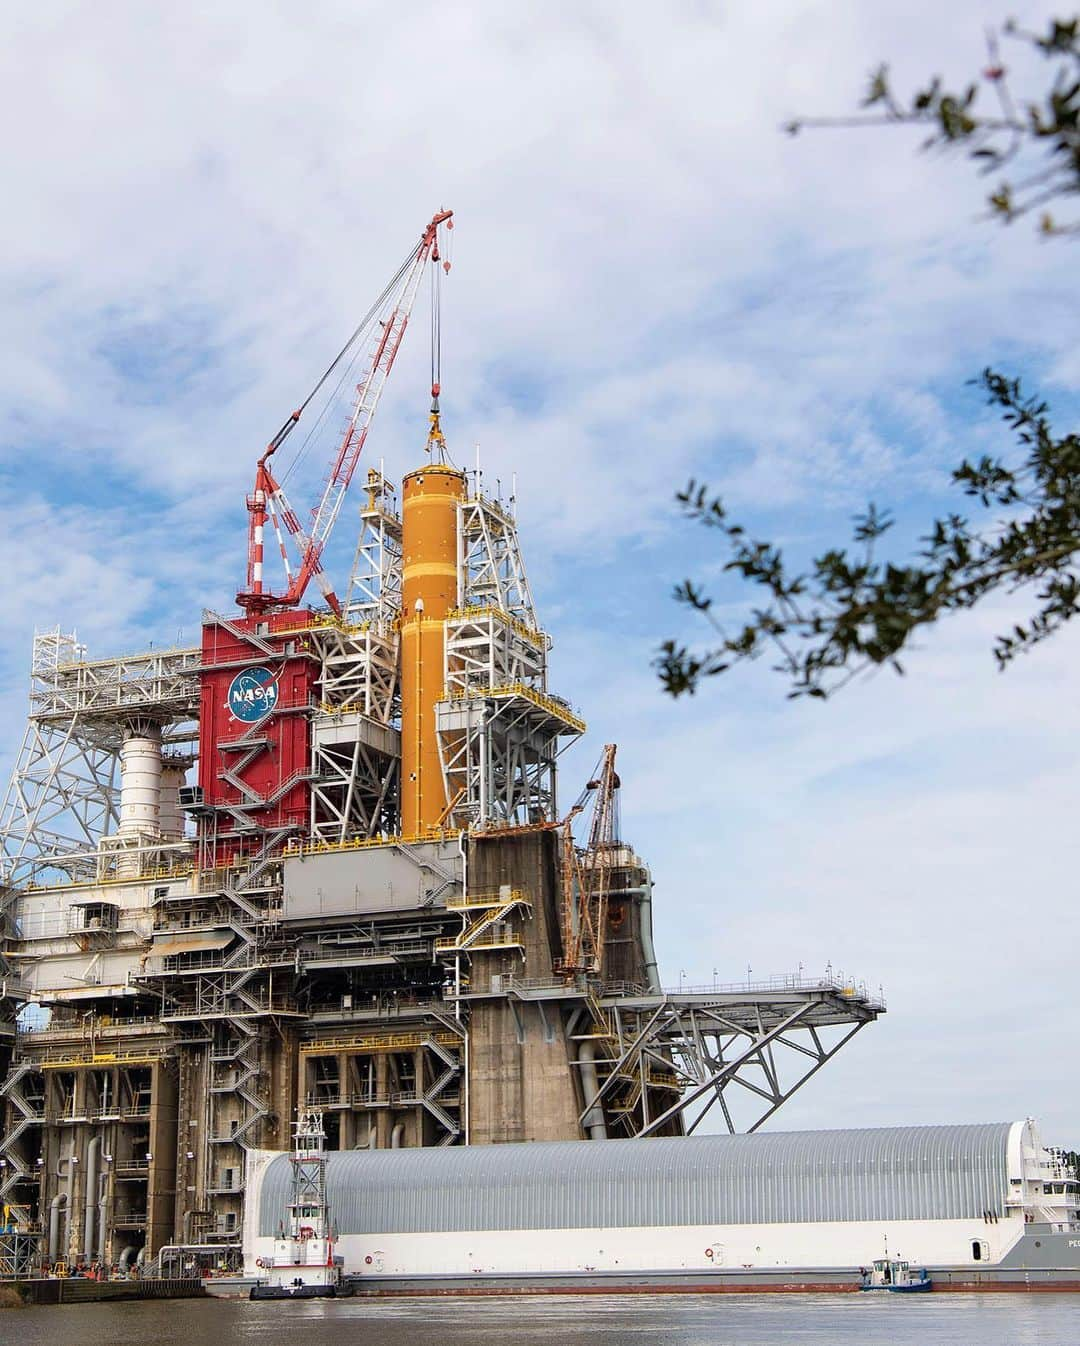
(851, 608)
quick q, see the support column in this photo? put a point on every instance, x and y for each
(140, 779)
(170, 815)
(140, 792)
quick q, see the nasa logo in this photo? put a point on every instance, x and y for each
(252, 694)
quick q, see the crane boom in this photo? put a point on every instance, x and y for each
(586, 875)
(268, 500)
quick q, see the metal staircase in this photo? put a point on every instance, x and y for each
(493, 908)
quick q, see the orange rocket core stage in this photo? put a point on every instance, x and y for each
(429, 590)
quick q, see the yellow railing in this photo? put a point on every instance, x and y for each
(149, 876)
(348, 708)
(508, 941)
(293, 849)
(71, 1059)
(541, 699)
(494, 898)
(531, 633)
(378, 1042)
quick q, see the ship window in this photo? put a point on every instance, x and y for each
(976, 1250)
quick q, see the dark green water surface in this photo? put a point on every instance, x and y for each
(683, 1320)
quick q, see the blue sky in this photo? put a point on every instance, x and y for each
(650, 282)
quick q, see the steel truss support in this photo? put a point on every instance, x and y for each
(499, 730)
(491, 573)
(353, 791)
(359, 671)
(374, 595)
(418, 1071)
(672, 1058)
(64, 791)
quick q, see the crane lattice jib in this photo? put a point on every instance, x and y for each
(586, 876)
(268, 500)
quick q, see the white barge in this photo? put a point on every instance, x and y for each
(980, 1206)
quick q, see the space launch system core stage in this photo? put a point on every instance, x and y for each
(318, 862)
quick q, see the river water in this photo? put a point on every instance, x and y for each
(563, 1320)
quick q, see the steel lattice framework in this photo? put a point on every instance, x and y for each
(500, 731)
(491, 570)
(63, 793)
(742, 1051)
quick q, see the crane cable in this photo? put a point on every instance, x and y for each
(372, 313)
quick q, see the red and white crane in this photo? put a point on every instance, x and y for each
(268, 500)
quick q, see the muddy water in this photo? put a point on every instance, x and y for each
(705, 1320)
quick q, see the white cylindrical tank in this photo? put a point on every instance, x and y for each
(170, 815)
(140, 779)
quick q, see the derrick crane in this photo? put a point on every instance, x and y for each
(268, 500)
(586, 873)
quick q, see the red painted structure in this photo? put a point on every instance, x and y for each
(255, 734)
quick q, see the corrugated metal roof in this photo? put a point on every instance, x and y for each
(894, 1173)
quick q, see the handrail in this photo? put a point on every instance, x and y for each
(551, 704)
(149, 876)
(469, 614)
(846, 987)
(295, 848)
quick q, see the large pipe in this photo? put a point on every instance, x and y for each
(55, 1205)
(429, 590)
(90, 1196)
(170, 816)
(397, 1135)
(140, 778)
(648, 949)
(102, 1210)
(126, 1256)
(590, 1087)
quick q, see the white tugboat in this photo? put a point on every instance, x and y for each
(895, 1276)
(303, 1265)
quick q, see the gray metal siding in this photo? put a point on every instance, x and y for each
(896, 1173)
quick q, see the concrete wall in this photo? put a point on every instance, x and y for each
(521, 1082)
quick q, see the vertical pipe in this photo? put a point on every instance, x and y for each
(90, 1197)
(55, 1205)
(590, 1087)
(69, 1205)
(397, 1135)
(648, 949)
(103, 1206)
(171, 819)
(429, 589)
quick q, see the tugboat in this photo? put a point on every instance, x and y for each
(303, 1265)
(896, 1276)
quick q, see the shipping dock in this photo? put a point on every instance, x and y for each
(320, 863)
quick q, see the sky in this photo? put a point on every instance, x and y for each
(650, 282)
